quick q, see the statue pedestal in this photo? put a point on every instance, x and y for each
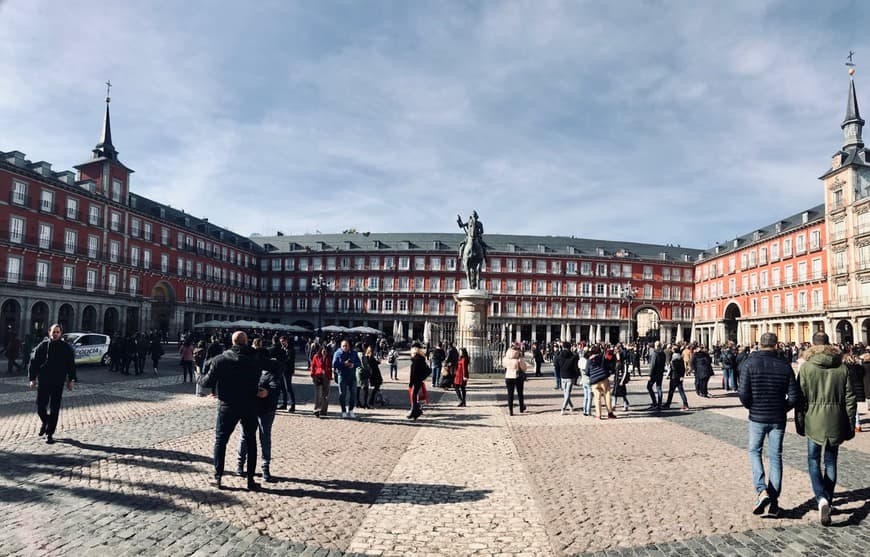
(471, 328)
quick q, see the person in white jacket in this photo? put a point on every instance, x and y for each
(514, 376)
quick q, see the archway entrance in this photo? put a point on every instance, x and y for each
(844, 332)
(162, 306)
(110, 322)
(66, 317)
(132, 320)
(865, 331)
(39, 319)
(10, 317)
(648, 322)
(89, 319)
(732, 314)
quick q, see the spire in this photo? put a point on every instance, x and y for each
(104, 148)
(852, 124)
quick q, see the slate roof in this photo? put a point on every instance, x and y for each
(449, 243)
(765, 233)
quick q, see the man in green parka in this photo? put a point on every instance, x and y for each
(826, 414)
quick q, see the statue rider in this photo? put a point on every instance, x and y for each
(473, 235)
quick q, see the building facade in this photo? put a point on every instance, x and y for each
(542, 288)
(82, 250)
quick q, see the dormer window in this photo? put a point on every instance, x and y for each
(778, 227)
(117, 189)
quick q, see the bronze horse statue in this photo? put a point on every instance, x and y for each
(472, 251)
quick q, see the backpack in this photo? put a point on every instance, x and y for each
(392, 357)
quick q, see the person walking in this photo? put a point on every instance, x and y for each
(376, 378)
(583, 367)
(321, 376)
(51, 367)
(393, 360)
(185, 351)
(656, 376)
(675, 381)
(703, 367)
(514, 376)
(285, 353)
(621, 377)
(599, 379)
(769, 390)
(270, 379)
(156, 350)
(235, 376)
(364, 377)
(460, 378)
(437, 360)
(827, 414)
(12, 350)
(344, 365)
(538, 357)
(856, 377)
(568, 373)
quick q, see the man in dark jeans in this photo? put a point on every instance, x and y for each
(437, 359)
(235, 375)
(656, 376)
(769, 390)
(285, 353)
(53, 364)
(538, 357)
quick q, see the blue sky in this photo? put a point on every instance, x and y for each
(676, 122)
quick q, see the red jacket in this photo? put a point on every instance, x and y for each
(460, 377)
(321, 365)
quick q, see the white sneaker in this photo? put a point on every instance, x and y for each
(344, 414)
(824, 512)
(351, 414)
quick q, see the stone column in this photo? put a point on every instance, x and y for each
(471, 328)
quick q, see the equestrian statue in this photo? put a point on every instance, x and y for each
(472, 250)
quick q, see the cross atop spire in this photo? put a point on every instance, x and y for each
(104, 148)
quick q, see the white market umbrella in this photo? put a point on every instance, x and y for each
(679, 332)
(334, 329)
(597, 332)
(399, 331)
(591, 333)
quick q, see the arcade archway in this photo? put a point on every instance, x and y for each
(162, 306)
(89, 319)
(66, 317)
(732, 314)
(110, 322)
(10, 317)
(845, 334)
(39, 319)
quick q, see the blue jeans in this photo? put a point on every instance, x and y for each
(436, 374)
(347, 393)
(823, 482)
(728, 379)
(655, 396)
(775, 433)
(587, 398)
(558, 379)
(265, 426)
(568, 385)
(676, 385)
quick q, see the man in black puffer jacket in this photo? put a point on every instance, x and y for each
(53, 364)
(769, 390)
(235, 375)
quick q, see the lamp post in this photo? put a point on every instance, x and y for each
(628, 294)
(321, 286)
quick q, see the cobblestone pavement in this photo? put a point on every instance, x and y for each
(129, 473)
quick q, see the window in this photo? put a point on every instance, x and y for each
(404, 263)
(541, 287)
(93, 246)
(511, 265)
(647, 291)
(388, 305)
(135, 226)
(41, 273)
(179, 269)
(800, 243)
(16, 230)
(450, 285)
(601, 269)
(276, 264)
(114, 251)
(762, 256)
(786, 247)
(13, 269)
(94, 215)
(666, 273)
(46, 201)
(815, 239)
(494, 266)
(19, 193)
(541, 266)
(113, 283)
(774, 251)
(389, 263)
(134, 256)
(69, 272)
(774, 276)
(276, 284)
(802, 271)
(600, 289)
(403, 306)
(789, 274)
(817, 299)
(116, 190)
(72, 208)
(70, 238)
(164, 236)
(164, 262)
(817, 268)
(115, 221)
(647, 272)
(418, 284)
(146, 231)
(45, 236)
(527, 286)
(527, 265)
(511, 286)
(91, 281)
(146, 259)
(374, 263)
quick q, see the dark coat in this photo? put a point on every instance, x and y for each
(597, 372)
(420, 370)
(54, 363)
(656, 365)
(768, 388)
(703, 365)
(566, 364)
(270, 379)
(856, 377)
(235, 375)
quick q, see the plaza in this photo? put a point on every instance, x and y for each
(128, 476)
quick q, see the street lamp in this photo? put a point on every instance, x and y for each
(321, 286)
(628, 294)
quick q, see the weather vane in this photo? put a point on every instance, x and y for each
(108, 88)
(850, 63)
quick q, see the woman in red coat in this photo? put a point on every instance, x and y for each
(460, 377)
(321, 375)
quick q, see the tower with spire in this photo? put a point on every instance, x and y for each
(104, 174)
(847, 220)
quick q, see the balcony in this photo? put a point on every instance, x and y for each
(19, 199)
(73, 214)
